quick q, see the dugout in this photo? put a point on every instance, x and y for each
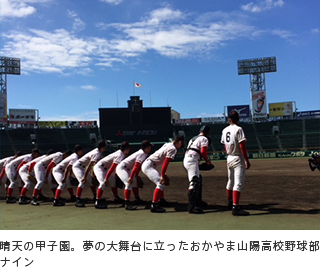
(136, 123)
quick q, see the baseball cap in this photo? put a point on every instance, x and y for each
(145, 144)
(205, 129)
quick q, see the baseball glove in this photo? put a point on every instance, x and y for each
(119, 182)
(139, 182)
(205, 167)
(32, 179)
(166, 180)
(74, 181)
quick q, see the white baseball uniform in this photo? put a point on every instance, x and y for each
(124, 169)
(149, 166)
(3, 163)
(41, 166)
(101, 168)
(81, 164)
(12, 167)
(59, 170)
(192, 157)
(24, 171)
(231, 137)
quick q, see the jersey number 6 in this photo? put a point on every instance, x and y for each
(228, 136)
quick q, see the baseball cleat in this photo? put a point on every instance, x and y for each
(34, 202)
(128, 206)
(11, 200)
(100, 204)
(238, 211)
(155, 208)
(230, 205)
(73, 198)
(23, 201)
(196, 210)
(79, 203)
(58, 203)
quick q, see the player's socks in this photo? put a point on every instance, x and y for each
(9, 192)
(36, 192)
(20, 188)
(156, 195)
(127, 194)
(58, 193)
(229, 194)
(79, 192)
(23, 192)
(99, 193)
(236, 197)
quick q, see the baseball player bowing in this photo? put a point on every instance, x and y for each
(234, 141)
(12, 171)
(42, 171)
(162, 157)
(128, 171)
(25, 172)
(197, 149)
(3, 163)
(104, 172)
(82, 170)
(62, 172)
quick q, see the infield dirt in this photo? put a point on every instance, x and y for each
(279, 194)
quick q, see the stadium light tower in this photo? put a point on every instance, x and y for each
(257, 68)
(8, 65)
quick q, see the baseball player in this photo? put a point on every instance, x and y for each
(234, 141)
(128, 171)
(3, 163)
(82, 168)
(162, 156)
(314, 162)
(62, 172)
(104, 172)
(197, 149)
(42, 171)
(26, 172)
(12, 171)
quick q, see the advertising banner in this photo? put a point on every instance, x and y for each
(82, 124)
(3, 106)
(259, 104)
(194, 121)
(243, 110)
(22, 116)
(213, 120)
(281, 109)
(52, 124)
(310, 113)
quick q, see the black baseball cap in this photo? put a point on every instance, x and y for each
(145, 144)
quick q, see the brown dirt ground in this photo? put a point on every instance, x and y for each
(274, 185)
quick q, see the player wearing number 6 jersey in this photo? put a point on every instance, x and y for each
(234, 141)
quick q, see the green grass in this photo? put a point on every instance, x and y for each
(46, 217)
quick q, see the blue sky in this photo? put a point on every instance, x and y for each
(77, 56)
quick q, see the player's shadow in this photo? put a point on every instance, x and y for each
(263, 209)
(267, 209)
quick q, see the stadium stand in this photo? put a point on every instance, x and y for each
(292, 135)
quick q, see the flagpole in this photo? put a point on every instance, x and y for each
(133, 88)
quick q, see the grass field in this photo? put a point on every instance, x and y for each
(279, 194)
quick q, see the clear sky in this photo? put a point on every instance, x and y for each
(79, 55)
